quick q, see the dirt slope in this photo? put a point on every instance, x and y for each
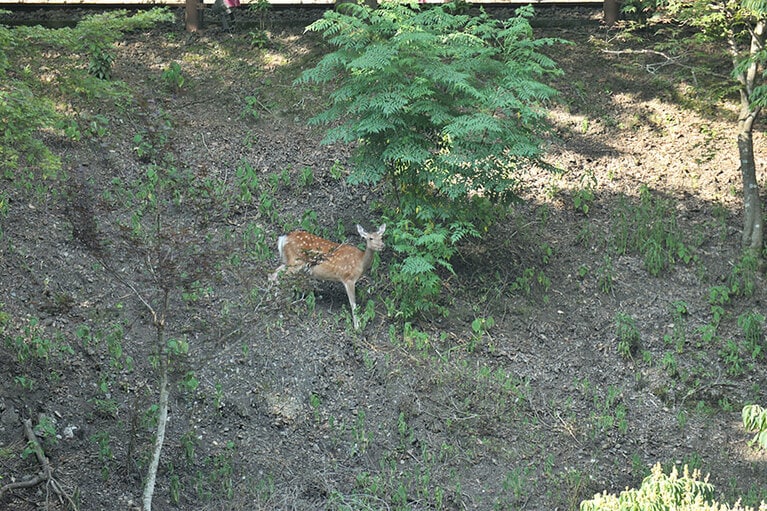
(278, 404)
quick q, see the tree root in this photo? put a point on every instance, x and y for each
(44, 476)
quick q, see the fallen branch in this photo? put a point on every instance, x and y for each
(45, 476)
(669, 60)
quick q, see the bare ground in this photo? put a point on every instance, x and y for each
(293, 410)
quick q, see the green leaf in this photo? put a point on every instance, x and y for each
(415, 265)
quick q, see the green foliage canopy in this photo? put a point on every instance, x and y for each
(437, 102)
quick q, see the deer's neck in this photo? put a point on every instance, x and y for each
(367, 259)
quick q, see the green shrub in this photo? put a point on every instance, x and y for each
(752, 324)
(743, 276)
(173, 77)
(443, 104)
(444, 110)
(24, 113)
(640, 10)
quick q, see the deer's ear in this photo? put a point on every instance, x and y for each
(361, 231)
(382, 229)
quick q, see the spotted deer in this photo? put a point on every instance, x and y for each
(325, 260)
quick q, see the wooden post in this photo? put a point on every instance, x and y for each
(192, 15)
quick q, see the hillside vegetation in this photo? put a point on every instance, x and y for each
(605, 323)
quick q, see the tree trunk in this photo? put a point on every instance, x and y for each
(162, 417)
(162, 421)
(753, 229)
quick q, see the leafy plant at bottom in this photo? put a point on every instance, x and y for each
(101, 59)
(105, 454)
(718, 297)
(174, 485)
(687, 491)
(24, 382)
(755, 419)
(479, 328)
(606, 276)
(33, 344)
(189, 443)
(252, 107)
(218, 474)
(730, 354)
(670, 364)
(582, 200)
(677, 337)
(307, 177)
(46, 429)
(584, 197)
(742, 278)
(189, 382)
(258, 38)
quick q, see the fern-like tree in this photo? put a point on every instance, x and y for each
(445, 109)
